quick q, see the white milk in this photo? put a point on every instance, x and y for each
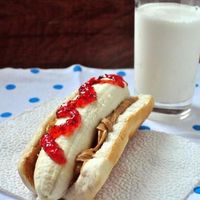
(167, 49)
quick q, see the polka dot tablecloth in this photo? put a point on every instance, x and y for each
(23, 89)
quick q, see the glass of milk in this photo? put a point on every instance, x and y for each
(167, 51)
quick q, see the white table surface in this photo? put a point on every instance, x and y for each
(22, 90)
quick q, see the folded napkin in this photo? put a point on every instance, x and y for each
(154, 165)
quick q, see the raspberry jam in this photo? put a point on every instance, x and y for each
(86, 95)
(52, 149)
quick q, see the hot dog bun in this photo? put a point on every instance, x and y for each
(51, 180)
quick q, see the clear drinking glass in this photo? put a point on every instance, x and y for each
(167, 50)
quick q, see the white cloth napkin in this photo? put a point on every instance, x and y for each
(154, 165)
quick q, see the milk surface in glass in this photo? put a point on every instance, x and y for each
(167, 49)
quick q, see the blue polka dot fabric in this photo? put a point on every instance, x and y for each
(35, 71)
(6, 114)
(23, 89)
(34, 100)
(77, 68)
(196, 127)
(10, 86)
(27, 88)
(121, 73)
(143, 127)
(197, 190)
(58, 87)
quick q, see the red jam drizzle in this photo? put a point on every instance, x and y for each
(52, 149)
(86, 95)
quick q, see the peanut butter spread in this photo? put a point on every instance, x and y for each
(104, 127)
